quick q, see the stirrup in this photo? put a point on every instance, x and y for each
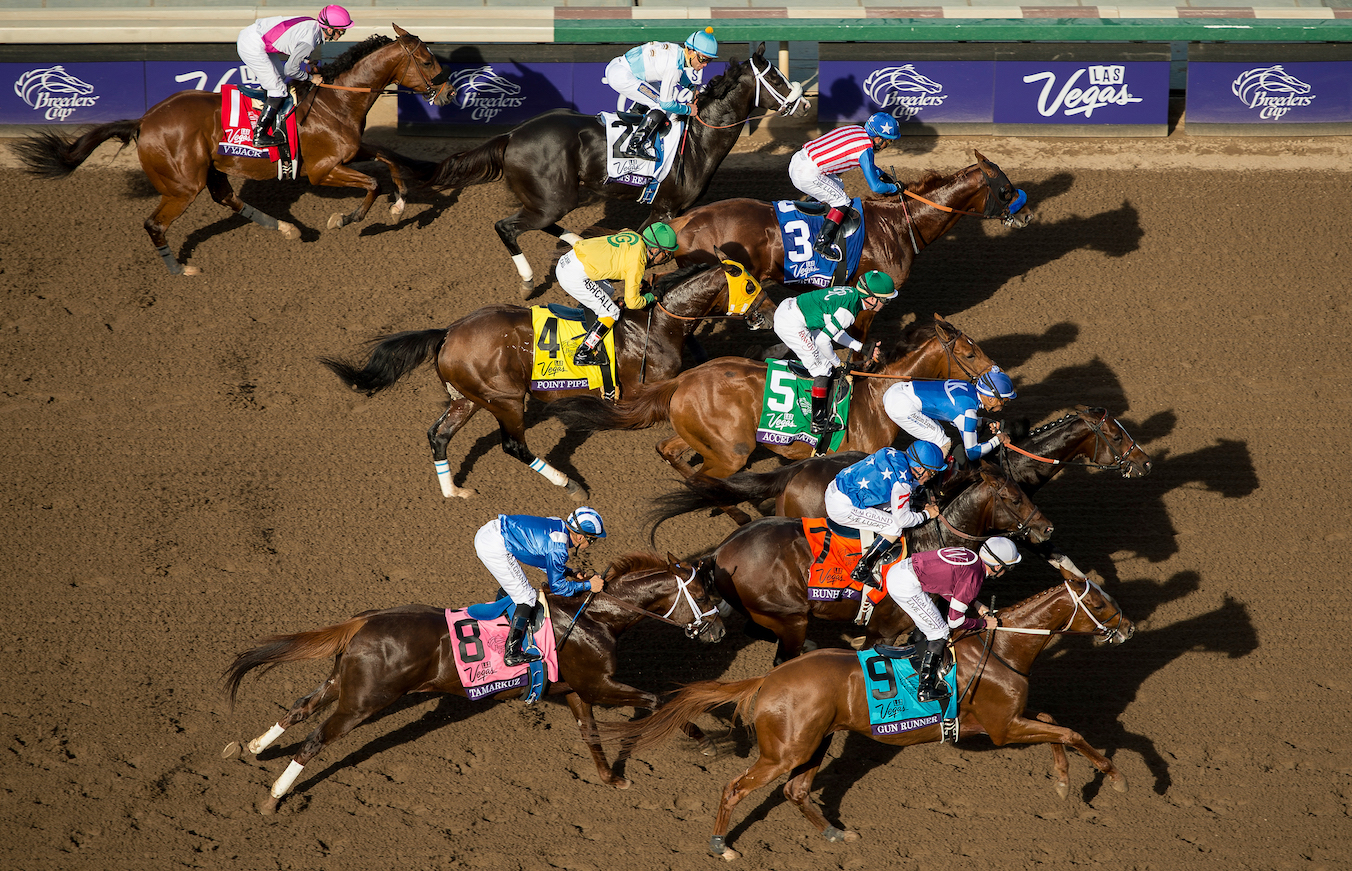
(832, 254)
(518, 657)
(584, 357)
(934, 693)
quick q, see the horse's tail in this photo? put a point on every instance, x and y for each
(646, 406)
(701, 492)
(392, 357)
(686, 705)
(51, 155)
(297, 647)
(476, 166)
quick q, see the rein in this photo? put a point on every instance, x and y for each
(1119, 459)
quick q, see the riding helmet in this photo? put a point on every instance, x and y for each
(996, 385)
(703, 42)
(335, 16)
(882, 125)
(997, 552)
(586, 521)
(926, 456)
(661, 236)
(879, 284)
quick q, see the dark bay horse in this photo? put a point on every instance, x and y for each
(796, 708)
(762, 568)
(485, 358)
(380, 656)
(1087, 434)
(896, 228)
(715, 407)
(555, 162)
(177, 139)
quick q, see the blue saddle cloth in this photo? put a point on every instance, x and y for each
(890, 686)
(802, 264)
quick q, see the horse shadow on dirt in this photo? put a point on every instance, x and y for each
(1085, 689)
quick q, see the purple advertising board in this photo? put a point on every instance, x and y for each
(928, 92)
(1314, 92)
(1078, 93)
(71, 93)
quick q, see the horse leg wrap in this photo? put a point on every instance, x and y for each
(443, 468)
(283, 784)
(264, 741)
(552, 475)
(523, 267)
(571, 238)
(175, 268)
(258, 217)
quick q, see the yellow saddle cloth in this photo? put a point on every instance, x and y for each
(556, 341)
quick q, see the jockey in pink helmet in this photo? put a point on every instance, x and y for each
(277, 49)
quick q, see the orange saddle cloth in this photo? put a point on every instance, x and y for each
(834, 555)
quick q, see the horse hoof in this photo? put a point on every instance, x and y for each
(1063, 789)
(231, 750)
(621, 783)
(1120, 783)
(288, 231)
(708, 748)
(269, 807)
(191, 270)
(527, 289)
(576, 491)
(718, 848)
(337, 221)
(397, 209)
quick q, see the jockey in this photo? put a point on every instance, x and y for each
(812, 323)
(276, 49)
(874, 496)
(816, 167)
(542, 542)
(915, 406)
(953, 573)
(651, 75)
(585, 274)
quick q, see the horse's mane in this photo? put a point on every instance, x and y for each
(634, 562)
(1066, 418)
(348, 59)
(685, 273)
(916, 334)
(720, 86)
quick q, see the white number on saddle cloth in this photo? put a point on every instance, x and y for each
(779, 390)
(798, 233)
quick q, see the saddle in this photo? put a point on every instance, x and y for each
(573, 313)
(913, 650)
(630, 120)
(503, 604)
(848, 226)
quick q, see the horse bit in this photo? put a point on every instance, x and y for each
(696, 627)
(1098, 427)
(787, 104)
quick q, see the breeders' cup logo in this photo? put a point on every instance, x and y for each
(485, 92)
(1107, 87)
(1272, 91)
(54, 92)
(903, 91)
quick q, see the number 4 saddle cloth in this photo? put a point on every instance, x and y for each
(558, 331)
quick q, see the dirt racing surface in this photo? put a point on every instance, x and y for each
(182, 477)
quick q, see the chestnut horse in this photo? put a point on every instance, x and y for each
(555, 162)
(177, 139)
(485, 358)
(382, 655)
(797, 707)
(762, 568)
(895, 229)
(716, 406)
(798, 488)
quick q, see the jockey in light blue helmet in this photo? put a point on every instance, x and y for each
(883, 126)
(703, 42)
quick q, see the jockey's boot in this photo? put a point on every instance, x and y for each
(863, 572)
(264, 134)
(588, 351)
(825, 243)
(823, 421)
(513, 653)
(638, 145)
(931, 687)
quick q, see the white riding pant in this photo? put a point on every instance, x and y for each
(813, 347)
(903, 586)
(819, 185)
(904, 408)
(267, 68)
(875, 521)
(492, 551)
(595, 295)
(620, 77)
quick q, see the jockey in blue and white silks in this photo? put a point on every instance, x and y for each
(654, 75)
(916, 406)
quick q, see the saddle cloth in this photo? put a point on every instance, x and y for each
(786, 407)
(478, 645)
(239, 115)
(835, 552)
(557, 331)
(633, 170)
(890, 686)
(802, 263)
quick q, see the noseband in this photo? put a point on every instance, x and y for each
(696, 627)
(788, 104)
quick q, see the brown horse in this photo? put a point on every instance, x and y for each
(380, 656)
(762, 568)
(798, 488)
(797, 707)
(895, 230)
(177, 139)
(716, 406)
(557, 161)
(484, 360)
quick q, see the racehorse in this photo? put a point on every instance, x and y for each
(762, 568)
(549, 161)
(177, 139)
(382, 655)
(799, 488)
(715, 407)
(484, 360)
(798, 706)
(895, 230)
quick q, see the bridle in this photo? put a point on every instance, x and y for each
(431, 85)
(1121, 461)
(696, 627)
(751, 308)
(1101, 628)
(788, 104)
(1002, 492)
(996, 205)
